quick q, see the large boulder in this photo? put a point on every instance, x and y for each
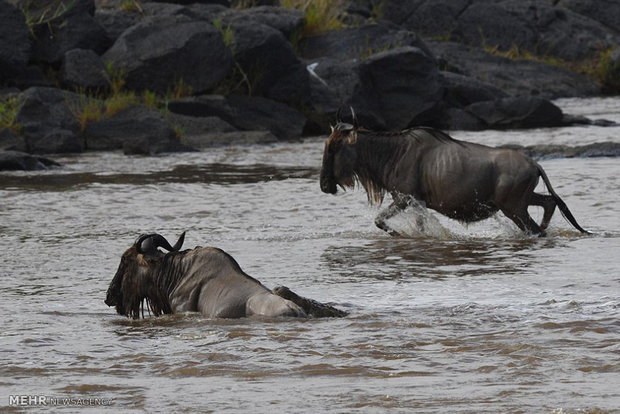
(21, 161)
(360, 42)
(606, 12)
(82, 69)
(268, 62)
(287, 21)
(433, 18)
(64, 26)
(398, 89)
(48, 122)
(225, 3)
(536, 26)
(14, 40)
(208, 131)
(515, 77)
(517, 112)
(332, 84)
(10, 141)
(135, 130)
(115, 21)
(464, 90)
(245, 113)
(159, 52)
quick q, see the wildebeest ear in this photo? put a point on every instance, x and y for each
(332, 128)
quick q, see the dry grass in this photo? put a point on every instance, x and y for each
(8, 114)
(320, 15)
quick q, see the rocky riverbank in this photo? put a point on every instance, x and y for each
(150, 77)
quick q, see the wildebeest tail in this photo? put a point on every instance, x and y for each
(561, 204)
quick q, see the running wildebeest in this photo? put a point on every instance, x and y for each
(461, 180)
(204, 279)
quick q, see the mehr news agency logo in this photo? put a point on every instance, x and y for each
(48, 401)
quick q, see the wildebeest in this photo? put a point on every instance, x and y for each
(204, 279)
(461, 180)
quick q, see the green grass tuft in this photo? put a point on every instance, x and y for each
(8, 115)
(320, 15)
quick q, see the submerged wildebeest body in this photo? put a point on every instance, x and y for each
(461, 180)
(204, 279)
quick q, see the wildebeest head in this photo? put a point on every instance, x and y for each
(134, 280)
(339, 155)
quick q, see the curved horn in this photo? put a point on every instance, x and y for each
(338, 115)
(354, 118)
(139, 242)
(177, 246)
(150, 242)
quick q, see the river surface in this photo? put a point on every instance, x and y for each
(452, 319)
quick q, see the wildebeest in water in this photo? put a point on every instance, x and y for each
(204, 279)
(461, 180)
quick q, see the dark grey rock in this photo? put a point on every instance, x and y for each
(83, 69)
(533, 25)
(398, 89)
(21, 161)
(9, 141)
(160, 51)
(606, 12)
(245, 113)
(515, 77)
(268, 61)
(48, 122)
(548, 151)
(115, 22)
(287, 21)
(360, 42)
(517, 112)
(225, 3)
(459, 119)
(165, 9)
(464, 90)
(14, 40)
(332, 84)
(198, 125)
(136, 130)
(432, 18)
(67, 27)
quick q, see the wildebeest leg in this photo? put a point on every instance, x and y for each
(524, 221)
(398, 205)
(310, 306)
(548, 204)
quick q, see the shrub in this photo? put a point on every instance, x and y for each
(320, 15)
(8, 114)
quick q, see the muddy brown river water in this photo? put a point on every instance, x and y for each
(455, 319)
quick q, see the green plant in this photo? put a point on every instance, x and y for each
(365, 51)
(86, 110)
(607, 72)
(377, 9)
(44, 16)
(180, 90)
(240, 81)
(151, 100)
(117, 77)
(228, 35)
(132, 6)
(320, 15)
(8, 114)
